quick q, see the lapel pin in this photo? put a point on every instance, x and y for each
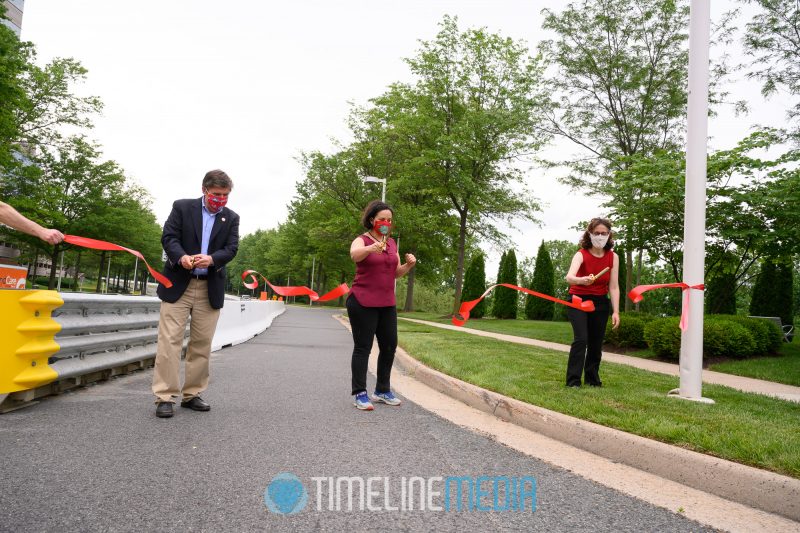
(223, 219)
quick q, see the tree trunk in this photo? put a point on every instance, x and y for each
(100, 273)
(341, 298)
(143, 281)
(51, 284)
(628, 276)
(409, 305)
(638, 273)
(462, 242)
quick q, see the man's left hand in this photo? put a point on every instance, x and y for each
(202, 261)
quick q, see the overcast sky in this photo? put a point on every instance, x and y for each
(245, 86)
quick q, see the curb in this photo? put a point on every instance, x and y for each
(747, 485)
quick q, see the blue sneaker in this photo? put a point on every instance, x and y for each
(386, 397)
(361, 400)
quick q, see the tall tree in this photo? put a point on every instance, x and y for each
(71, 189)
(475, 284)
(543, 282)
(619, 86)
(772, 39)
(473, 109)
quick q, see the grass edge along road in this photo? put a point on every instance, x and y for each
(746, 428)
(783, 368)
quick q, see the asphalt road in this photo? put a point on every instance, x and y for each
(98, 459)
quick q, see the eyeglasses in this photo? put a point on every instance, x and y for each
(600, 234)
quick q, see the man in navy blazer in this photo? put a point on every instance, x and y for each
(200, 237)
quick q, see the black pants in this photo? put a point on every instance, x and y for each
(589, 329)
(368, 323)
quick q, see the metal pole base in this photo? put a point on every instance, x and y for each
(676, 393)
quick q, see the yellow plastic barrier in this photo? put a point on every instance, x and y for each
(26, 333)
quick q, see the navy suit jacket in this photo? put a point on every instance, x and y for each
(182, 235)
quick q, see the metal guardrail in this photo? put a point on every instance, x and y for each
(101, 336)
(105, 335)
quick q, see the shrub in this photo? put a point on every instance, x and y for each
(767, 335)
(723, 336)
(630, 333)
(663, 336)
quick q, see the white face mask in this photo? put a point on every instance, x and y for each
(599, 241)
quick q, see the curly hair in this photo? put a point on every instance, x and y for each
(586, 239)
(372, 209)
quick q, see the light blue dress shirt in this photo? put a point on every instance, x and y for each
(208, 224)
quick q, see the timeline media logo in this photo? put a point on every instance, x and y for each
(285, 494)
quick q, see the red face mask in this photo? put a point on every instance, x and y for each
(214, 203)
(382, 226)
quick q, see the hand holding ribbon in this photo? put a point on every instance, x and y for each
(636, 296)
(341, 290)
(463, 313)
(94, 244)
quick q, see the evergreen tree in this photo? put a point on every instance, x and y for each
(761, 302)
(625, 302)
(505, 300)
(544, 282)
(498, 279)
(721, 294)
(784, 305)
(475, 285)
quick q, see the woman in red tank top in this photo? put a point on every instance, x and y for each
(592, 276)
(371, 305)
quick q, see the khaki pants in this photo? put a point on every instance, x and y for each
(171, 328)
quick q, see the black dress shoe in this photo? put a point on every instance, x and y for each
(196, 404)
(164, 410)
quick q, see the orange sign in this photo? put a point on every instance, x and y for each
(12, 277)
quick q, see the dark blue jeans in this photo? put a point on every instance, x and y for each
(368, 323)
(588, 329)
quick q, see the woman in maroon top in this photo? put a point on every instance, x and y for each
(371, 305)
(594, 257)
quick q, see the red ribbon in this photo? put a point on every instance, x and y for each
(341, 290)
(110, 246)
(636, 296)
(463, 313)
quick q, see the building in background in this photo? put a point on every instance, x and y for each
(14, 9)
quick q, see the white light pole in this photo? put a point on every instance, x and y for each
(135, 271)
(60, 272)
(382, 181)
(694, 225)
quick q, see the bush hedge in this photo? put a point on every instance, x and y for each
(723, 336)
(630, 333)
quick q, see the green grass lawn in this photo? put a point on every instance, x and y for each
(746, 428)
(543, 330)
(783, 368)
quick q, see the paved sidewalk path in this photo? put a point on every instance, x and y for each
(758, 386)
(99, 460)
